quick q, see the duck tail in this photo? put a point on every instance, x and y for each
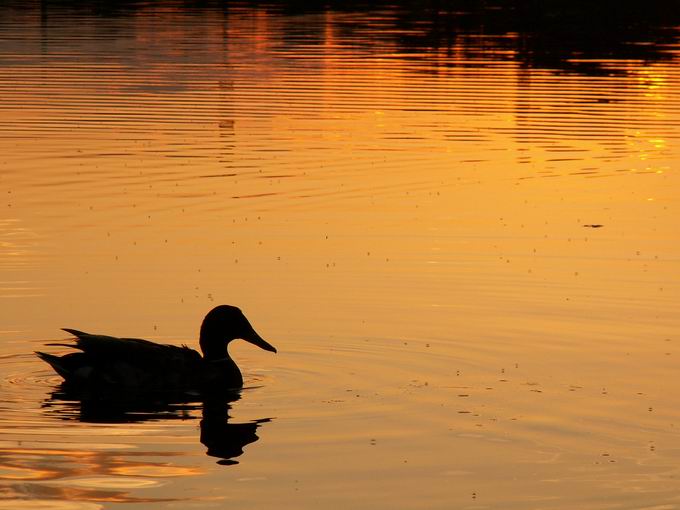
(54, 362)
(75, 332)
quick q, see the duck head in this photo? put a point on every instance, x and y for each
(223, 324)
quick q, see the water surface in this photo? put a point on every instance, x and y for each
(458, 226)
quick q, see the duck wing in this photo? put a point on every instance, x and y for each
(103, 346)
(130, 363)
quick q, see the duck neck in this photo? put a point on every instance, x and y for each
(213, 348)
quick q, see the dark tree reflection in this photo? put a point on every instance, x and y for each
(571, 35)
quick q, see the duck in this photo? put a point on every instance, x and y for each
(107, 363)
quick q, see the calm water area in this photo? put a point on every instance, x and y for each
(458, 223)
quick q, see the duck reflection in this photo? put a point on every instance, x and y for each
(223, 439)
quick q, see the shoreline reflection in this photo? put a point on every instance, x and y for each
(567, 36)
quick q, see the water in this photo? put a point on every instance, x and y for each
(458, 226)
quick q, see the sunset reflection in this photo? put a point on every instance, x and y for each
(82, 475)
(458, 223)
(106, 474)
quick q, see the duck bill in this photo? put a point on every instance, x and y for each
(256, 339)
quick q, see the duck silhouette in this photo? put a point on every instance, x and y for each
(107, 363)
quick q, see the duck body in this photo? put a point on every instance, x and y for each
(132, 364)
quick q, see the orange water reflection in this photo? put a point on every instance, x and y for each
(106, 474)
(407, 202)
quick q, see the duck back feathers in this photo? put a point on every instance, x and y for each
(126, 363)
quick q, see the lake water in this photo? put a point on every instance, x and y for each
(459, 226)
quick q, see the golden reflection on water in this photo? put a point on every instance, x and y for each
(465, 245)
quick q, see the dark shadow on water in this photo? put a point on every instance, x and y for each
(226, 440)
(566, 35)
(223, 439)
